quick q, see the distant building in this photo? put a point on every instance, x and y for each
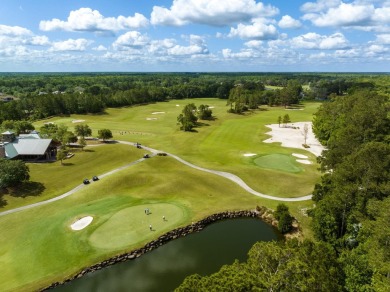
(27, 147)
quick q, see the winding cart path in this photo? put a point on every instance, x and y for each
(234, 178)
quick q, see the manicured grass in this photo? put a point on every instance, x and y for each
(37, 246)
(220, 145)
(131, 224)
(278, 162)
(54, 179)
(43, 236)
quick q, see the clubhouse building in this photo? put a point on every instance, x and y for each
(28, 147)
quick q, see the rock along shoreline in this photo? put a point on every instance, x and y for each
(262, 213)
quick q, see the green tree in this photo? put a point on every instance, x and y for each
(286, 120)
(279, 120)
(61, 155)
(204, 112)
(284, 218)
(187, 118)
(104, 134)
(12, 173)
(82, 143)
(83, 130)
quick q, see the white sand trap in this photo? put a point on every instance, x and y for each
(81, 223)
(211, 107)
(151, 119)
(300, 156)
(249, 154)
(178, 105)
(303, 161)
(158, 113)
(78, 121)
(293, 138)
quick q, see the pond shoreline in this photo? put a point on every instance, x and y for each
(262, 214)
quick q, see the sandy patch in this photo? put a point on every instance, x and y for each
(300, 156)
(49, 123)
(303, 161)
(178, 105)
(249, 154)
(158, 113)
(293, 138)
(211, 107)
(151, 119)
(81, 223)
(78, 121)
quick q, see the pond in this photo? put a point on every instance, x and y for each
(165, 268)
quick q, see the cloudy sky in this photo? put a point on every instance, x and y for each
(194, 35)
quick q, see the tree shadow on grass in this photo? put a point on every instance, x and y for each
(3, 202)
(67, 164)
(27, 189)
(88, 150)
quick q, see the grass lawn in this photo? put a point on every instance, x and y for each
(48, 180)
(278, 162)
(38, 247)
(220, 144)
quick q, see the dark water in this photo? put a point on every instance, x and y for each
(165, 268)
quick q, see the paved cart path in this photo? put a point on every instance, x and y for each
(234, 178)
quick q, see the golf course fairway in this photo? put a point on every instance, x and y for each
(132, 224)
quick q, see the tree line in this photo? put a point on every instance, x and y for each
(39, 96)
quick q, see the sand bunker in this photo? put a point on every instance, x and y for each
(249, 154)
(178, 105)
(158, 113)
(211, 107)
(303, 161)
(293, 138)
(81, 223)
(300, 156)
(151, 119)
(78, 121)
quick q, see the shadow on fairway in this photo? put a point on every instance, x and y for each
(89, 150)
(3, 202)
(67, 164)
(28, 189)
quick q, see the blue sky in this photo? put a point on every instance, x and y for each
(194, 35)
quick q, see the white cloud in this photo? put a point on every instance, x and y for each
(317, 41)
(382, 15)
(40, 41)
(137, 43)
(211, 12)
(376, 49)
(160, 46)
(131, 40)
(14, 31)
(70, 45)
(197, 47)
(253, 44)
(244, 54)
(16, 37)
(288, 22)
(343, 15)
(383, 39)
(319, 6)
(257, 30)
(86, 19)
(100, 48)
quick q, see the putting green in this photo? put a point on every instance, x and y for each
(278, 162)
(131, 225)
